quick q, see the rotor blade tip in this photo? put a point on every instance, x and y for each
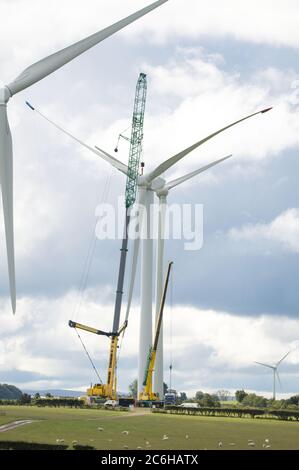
(266, 110)
(30, 105)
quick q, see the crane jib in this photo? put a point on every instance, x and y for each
(131, 186)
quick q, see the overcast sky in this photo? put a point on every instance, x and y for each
(208, 63)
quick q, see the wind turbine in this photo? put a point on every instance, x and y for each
(275, 372)
(148, 184)
(28, 77)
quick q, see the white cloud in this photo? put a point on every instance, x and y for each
(27, 31)
(230, 338)
(191, 95)
(204, 97)
(206, 345)
(37, 29)
(284, 230)
(267, 22)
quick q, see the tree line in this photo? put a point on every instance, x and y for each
(234, 412)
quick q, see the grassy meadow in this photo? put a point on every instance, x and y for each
(146, 430)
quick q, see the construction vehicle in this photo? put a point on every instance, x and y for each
(109, 389)
(147, 397)
(170, 397)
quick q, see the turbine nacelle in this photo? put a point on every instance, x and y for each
(158, 184)
(154, 185)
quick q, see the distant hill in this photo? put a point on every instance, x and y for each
(9, 392)
(57, 393)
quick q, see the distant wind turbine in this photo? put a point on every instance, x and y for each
(275, 372)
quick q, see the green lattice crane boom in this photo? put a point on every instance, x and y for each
(109, 389)
(131, 183)
(136, 140)
(130, 196)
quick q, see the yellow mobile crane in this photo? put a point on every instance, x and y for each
(108, 390)
(147, 396)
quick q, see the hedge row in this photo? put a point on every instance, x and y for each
(8, 402)
(57, 402)
(288, 415)
(19, 445)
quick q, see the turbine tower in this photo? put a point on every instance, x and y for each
(148, 184)
(162, 192)
(275, 372)
(28, 77)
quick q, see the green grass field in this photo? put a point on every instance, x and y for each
(203, 432)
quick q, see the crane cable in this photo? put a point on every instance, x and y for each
(91, 249)
(86, 271)
(92, 244)
(171, 329)
(120, 347)
(90, 254)
(89, 357)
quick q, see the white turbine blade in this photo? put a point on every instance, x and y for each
(48, 65)
(182, 179)
(171, 161)
(104, 155)
(112, 160)
(282, 358)
(6, 180)
(277, 375)
(266, 365)
(135, 256)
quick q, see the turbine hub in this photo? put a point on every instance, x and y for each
(5, 95)
(158, 184)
